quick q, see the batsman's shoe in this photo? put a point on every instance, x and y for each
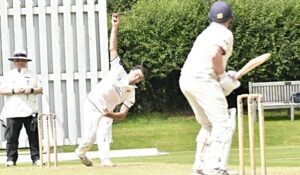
(196, 172)
(10, 163)
(107, 163)
(232, 172)
(217, 172)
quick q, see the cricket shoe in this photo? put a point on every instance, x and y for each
(107, 163)
(232, 172)
(196, 172)
(84, 160)
(219, 172)
(38, 163)
(10, 163)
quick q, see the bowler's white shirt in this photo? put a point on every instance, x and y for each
(113, 89)
(199, 63)
(19, 105)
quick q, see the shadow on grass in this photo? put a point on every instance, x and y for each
(156, 116)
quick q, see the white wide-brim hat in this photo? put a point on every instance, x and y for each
(19, 55)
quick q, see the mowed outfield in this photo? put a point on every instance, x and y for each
(176, 135)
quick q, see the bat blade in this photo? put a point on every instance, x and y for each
(253, 63)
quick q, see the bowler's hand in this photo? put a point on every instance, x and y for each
(107, 113)
(115, 19)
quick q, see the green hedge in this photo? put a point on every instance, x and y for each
(160, 33)
(268, 26)
(119, 5)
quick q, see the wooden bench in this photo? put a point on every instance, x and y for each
(277, 95)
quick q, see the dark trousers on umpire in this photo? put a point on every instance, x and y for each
(12, 133)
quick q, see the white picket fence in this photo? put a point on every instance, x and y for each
(67, 40)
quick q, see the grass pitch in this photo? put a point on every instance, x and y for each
(177, 163)
(176, 135)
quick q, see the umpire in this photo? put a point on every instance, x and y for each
(20, 86)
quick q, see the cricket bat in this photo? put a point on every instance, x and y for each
(253, 63)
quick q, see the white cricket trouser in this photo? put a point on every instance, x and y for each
(210, 108)
(104, 137)
(97, 127)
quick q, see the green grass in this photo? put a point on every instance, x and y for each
(176, 163)
(176, 133)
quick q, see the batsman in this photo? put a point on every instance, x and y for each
(205, 84)
(117, 87)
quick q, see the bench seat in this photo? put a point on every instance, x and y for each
(277, 95)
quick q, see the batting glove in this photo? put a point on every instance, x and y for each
(231, 73)
(228, 84)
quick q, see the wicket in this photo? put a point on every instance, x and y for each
(51, 117)
(251, 121)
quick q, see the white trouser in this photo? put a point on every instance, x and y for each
(210, 108)
(104, 137)
(97, 127)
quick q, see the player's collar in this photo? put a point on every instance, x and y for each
(23, 70)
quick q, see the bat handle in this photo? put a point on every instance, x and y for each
(237, 76)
